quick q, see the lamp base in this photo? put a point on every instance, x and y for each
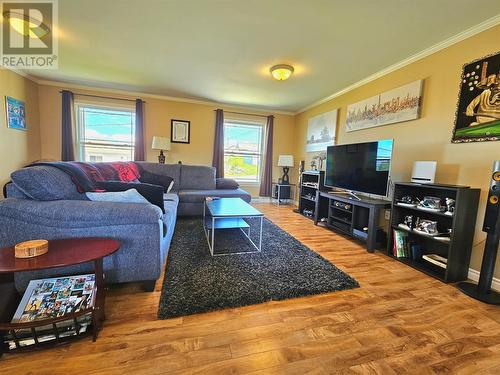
(285, 180)
(161, 158)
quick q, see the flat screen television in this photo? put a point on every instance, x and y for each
(359, 167)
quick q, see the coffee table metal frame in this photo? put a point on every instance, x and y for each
(233, 221)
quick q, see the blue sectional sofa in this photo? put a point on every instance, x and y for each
(43, 202)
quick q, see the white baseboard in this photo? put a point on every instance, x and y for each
(261, 200)
(474, 276)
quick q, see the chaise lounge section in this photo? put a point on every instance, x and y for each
(43, 202)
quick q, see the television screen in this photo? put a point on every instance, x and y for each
(361, 167)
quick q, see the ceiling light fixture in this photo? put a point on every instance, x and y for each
(281, 72)
(26, 25)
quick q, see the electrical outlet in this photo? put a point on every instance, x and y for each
(387, 214)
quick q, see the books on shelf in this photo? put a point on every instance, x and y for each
(53, 298)
(402, 244)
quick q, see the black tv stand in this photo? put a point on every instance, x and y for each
(358, 218)
(350, 194)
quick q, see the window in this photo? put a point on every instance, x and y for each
(105, 133)
(242, 150)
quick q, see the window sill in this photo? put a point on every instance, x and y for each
(248, 183)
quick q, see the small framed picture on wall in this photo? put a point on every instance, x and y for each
(16, 113)
(180, 131)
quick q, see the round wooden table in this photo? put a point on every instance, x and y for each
(63, 253)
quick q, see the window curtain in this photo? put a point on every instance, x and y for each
(139, 153)
(218, 158)
(67, 145)
(267, 175)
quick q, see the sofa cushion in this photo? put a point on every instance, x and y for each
(170, 197)
(46, 183)
(226, 183)
(198, 196)
(152, 193)
(10, 190)
(171, 170)
(157, 179)
(127, 196)
(197, 177)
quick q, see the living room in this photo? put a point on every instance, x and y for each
(229, 94)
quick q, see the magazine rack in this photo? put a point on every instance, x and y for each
(62, 253)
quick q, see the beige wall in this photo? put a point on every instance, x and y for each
(427, 138)
(18, 147)
(158, 113)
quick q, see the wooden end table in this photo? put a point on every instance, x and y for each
(62, 253)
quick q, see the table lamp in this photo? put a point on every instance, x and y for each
(285, 161)
(161, 143)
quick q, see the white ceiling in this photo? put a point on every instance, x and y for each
(221, 50)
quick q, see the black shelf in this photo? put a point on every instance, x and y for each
(345, 221)
(425, 267)
(462, 224)
(307, 198)
(307, 203)
(416, 233)
(340, 209)
(422, 211)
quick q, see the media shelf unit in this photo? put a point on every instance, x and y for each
(352, 217)
(311, 183)
(462, 223)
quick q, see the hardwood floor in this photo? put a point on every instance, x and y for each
(399, 321)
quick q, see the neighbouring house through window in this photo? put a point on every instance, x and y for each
(243, 150)
(105, 133)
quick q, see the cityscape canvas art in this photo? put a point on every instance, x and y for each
(478, 109)
(397, 105)
(321, 131)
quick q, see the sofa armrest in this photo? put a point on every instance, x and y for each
(79, 214)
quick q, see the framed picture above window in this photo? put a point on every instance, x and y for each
(180, 131)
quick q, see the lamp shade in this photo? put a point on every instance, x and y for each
(285, 161)
(161, 143)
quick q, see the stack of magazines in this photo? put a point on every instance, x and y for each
(53, 298)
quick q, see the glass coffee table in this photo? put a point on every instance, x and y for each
(230, 213)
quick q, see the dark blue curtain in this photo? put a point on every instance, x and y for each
(67, 148)
(139, 154)
(218, 157)
(267, 175)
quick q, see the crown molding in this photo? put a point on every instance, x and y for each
(491, 22)
(20, 72)
(259, 110)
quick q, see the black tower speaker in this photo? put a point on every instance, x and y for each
(491, 226)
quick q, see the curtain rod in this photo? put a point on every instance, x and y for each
(104, 97)
(242, 113)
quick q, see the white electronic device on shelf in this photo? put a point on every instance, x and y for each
(424, 172)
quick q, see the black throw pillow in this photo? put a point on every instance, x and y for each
(156, 179)
(153, 193)
(226, 183)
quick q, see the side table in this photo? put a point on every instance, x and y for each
(62, 253)
(283, 193)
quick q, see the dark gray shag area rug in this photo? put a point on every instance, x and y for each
(196, 282)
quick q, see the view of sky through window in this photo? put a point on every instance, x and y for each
(106, 134)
